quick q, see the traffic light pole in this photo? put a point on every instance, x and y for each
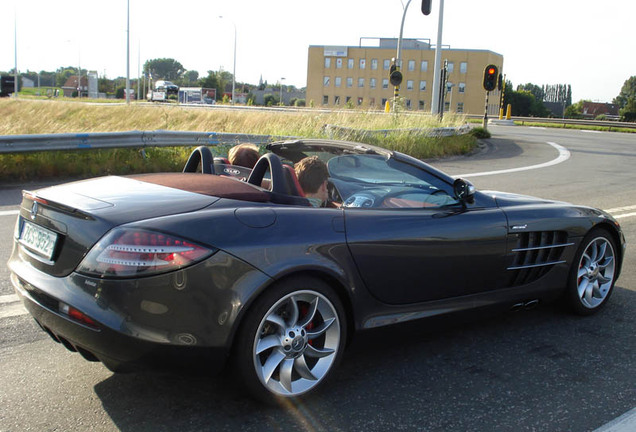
(485, 123)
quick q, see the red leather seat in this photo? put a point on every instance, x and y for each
(292, 182)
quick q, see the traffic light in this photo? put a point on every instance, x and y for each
(395, 76)
(491, 74)
(426, 7)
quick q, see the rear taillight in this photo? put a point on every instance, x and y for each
(134, 252)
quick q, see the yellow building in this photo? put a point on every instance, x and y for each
(339, 76)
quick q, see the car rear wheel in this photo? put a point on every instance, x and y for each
(291, 339)
(593, 273)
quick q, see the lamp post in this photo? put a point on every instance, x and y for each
(281, 91)
(128, 52)
(234, 66)
(15, 48)
(435, 108)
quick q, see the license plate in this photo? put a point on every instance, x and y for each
(38, 239)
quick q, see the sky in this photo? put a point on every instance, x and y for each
(586, 43)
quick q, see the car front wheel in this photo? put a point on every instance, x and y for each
(593, 273)
(291, 339)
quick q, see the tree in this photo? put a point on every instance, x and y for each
(575, 111)
(626, 100)
(164, 68)
(538, 92)
(63, 74)
(190, 77)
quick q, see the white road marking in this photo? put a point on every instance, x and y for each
(9, 212)
(626, 215)
(10, 298)
(624, 423)
(11, 306)
(621, 209)
(590, 131)
(564, 154)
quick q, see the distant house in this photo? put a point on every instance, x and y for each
(70, 87)
(26, 82)
(591, 110)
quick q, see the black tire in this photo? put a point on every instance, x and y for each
(291, 339)
(593, 274)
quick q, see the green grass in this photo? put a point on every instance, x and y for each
(55, 116)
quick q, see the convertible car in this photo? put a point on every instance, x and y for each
(234, 263)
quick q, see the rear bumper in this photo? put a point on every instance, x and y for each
(155, 321)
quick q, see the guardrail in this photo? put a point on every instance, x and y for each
(351, 133)
(564, 122)
(136, 139)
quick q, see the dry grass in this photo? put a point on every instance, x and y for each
(18, 117)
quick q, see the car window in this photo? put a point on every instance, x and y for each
(380, 181)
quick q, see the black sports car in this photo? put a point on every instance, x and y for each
(228, 262)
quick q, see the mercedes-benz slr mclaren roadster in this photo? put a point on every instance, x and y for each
(226, 262)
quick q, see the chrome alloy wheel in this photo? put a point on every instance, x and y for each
(596, 272)
(296, 343)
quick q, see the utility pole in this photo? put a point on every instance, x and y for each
(435, 109)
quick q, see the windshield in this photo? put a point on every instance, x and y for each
(375, 169)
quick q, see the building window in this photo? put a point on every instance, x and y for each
(450, 67)
(408, 104)
(460, 107)
(338, 82)
(363, 63)
(461, 87)
(360, 82)
(421, 105)
(325, 81)
(411, 65)
(325, 100)
(349, 63)
(385, 83)
(384, 101)
(422, 85)
(446, 106)
(360, 100)
(387, 64)
(336, 100)
(372, 82)
(348, 99)
(339, 63)
(409, 84)
(349, 82)
(463, 67)
(374, 64)
(424, 66)
(327, 62)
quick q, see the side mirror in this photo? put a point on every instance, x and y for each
(464, 191)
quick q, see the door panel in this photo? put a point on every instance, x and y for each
(416, 255)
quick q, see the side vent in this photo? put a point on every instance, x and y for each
(535, 254)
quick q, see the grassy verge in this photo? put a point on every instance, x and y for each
(44, 117)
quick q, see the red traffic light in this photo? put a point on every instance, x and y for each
(491, 75)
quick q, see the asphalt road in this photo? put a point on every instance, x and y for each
(538, 370)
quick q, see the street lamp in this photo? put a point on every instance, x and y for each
(281, 91)
(234, 67)
(128, 52)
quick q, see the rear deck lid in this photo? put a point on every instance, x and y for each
(58, 225)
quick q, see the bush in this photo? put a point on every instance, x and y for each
(480, 133)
